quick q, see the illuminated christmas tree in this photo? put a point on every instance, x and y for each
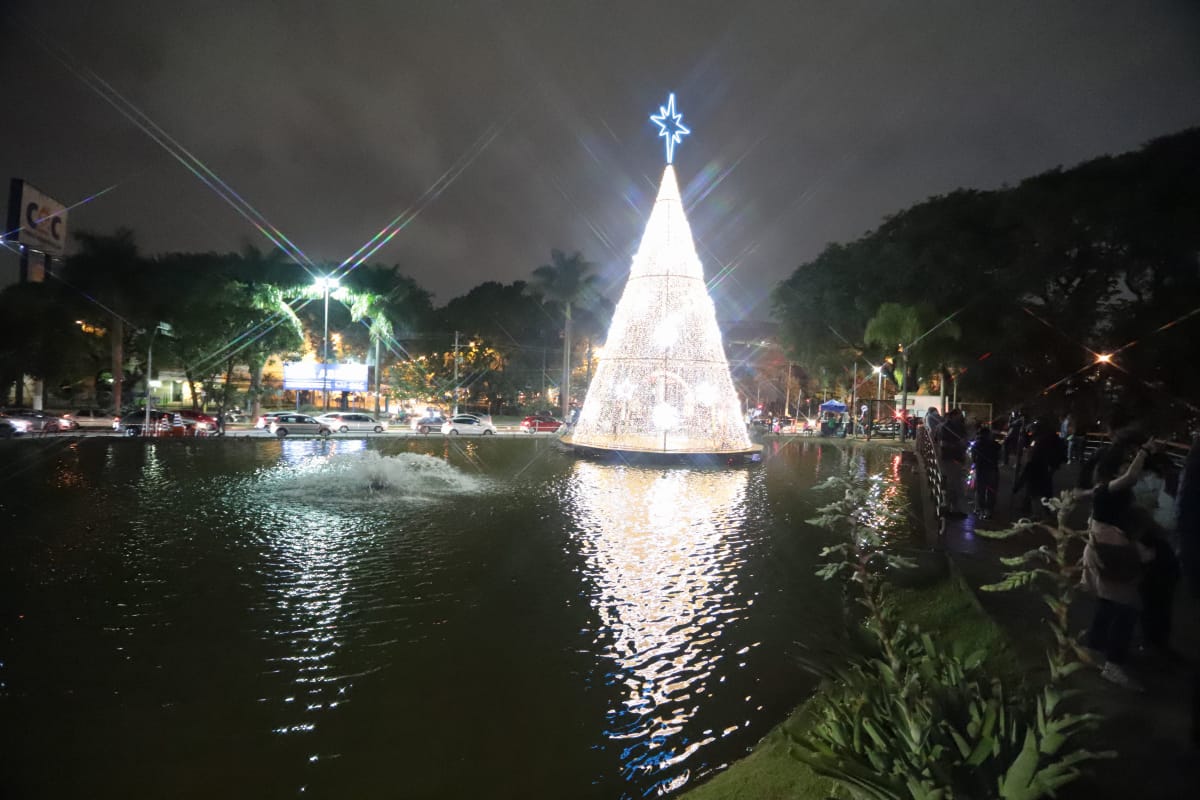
(662, 384)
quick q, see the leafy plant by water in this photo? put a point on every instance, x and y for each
(918, 719)
(1056, 565)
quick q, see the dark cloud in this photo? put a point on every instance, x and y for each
(811, 120)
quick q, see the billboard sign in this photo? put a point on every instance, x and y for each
(35, 220)
(339, 378)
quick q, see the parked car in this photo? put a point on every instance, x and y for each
(291, 424)
(427, 423)
(541, 423)
(91, 418)
(205, 423)
(345, 421)
(468, 425)
(264, 420)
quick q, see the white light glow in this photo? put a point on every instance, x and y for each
(663, 383)
(670, 126)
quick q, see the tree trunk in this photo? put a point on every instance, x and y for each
(117, 332)
(256, 373)
(566, 379)
(191, 382)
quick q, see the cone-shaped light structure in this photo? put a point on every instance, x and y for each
(662, 384)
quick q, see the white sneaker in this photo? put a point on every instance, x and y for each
(1114, 673)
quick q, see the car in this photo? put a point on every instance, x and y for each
(39, 421)
(12, 426)
(162, 423)
(264, 419)
(205, 423)
(428, 423)
(290, 424)
(541, 423)
(91, 417)
(468, 425)
(345, 421)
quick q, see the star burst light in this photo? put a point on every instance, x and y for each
(670, 125)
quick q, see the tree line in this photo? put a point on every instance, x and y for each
(92, 322)
(1073, 290)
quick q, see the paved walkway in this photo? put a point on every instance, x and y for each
(1157, 759)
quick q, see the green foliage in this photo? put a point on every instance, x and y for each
(935, 724)
(1105, 252)
(920, 720)
(1056, 566)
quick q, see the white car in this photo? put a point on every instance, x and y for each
(346, 421)
(290, 424)
(264, 420)
(468, 425)
(92, 418)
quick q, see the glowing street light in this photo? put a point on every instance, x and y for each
(326, 284)
(1104, 358)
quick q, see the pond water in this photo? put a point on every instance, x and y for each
(399, 618)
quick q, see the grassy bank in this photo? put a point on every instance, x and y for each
(947, 609)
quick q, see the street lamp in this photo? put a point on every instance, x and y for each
(326, 284)
(166, 330)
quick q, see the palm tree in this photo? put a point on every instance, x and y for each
(568, 281)
(271, 278)
(908, 327)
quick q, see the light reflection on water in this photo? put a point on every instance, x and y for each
(330, 615)
(663, 563)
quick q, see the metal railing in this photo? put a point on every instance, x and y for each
(934, 479)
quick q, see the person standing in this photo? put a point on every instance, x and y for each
(1112, 567)
(985, 455)
(1013, 439)
(1037, 476)
(952, 452)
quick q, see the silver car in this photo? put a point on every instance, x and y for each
(297, 424)
(346, 421)
(468, 425)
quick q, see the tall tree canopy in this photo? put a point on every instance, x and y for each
(1041, 277)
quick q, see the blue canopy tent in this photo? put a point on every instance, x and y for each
(833, 406)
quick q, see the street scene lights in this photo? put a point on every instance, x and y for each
(326, 285)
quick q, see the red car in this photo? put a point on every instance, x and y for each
(204, 423)
(540, 424)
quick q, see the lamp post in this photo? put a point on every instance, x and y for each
(326, 284)
(166, 330)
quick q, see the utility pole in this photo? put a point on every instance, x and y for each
(787, 392)
(378, 367)
(455, 411)
(853, 400)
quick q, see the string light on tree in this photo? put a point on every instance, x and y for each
(663, 384)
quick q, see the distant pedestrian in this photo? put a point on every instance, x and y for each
(1046, 455)
(985, 455)
(1013, 439)
(932, 421)
(952, 453)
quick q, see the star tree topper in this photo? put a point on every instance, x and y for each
(670, 125)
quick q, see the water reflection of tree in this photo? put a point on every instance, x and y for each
(663, 550)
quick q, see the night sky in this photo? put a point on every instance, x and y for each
(811, 121)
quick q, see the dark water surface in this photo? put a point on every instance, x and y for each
(398, 618)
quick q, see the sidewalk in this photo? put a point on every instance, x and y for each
(1149, 731)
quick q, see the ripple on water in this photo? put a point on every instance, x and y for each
(664, 553)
